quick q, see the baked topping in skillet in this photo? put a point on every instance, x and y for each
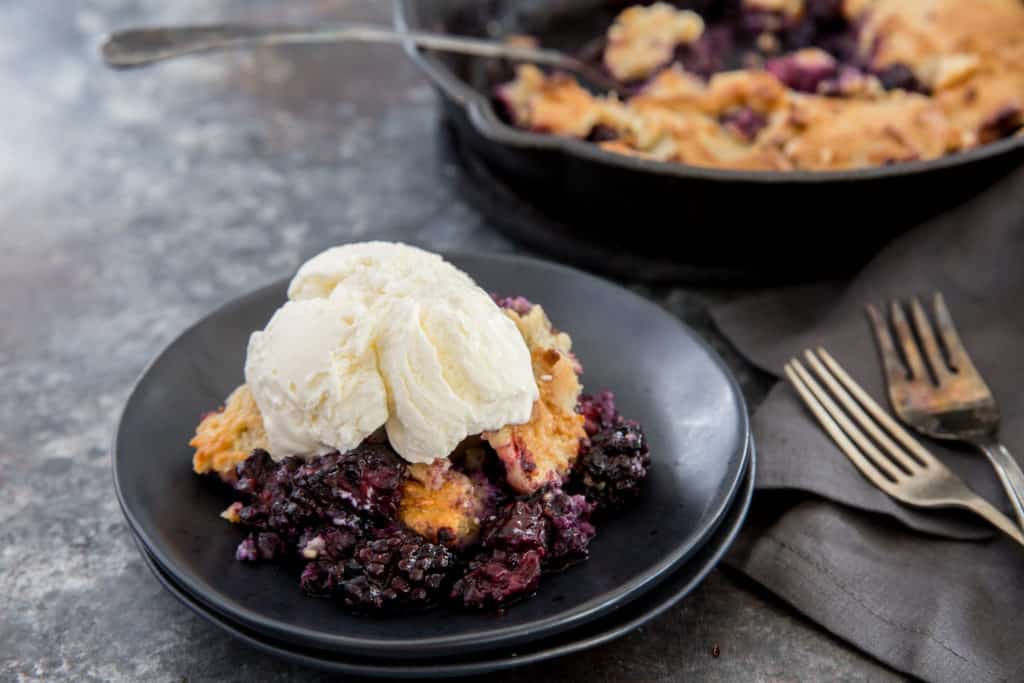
(795, 84)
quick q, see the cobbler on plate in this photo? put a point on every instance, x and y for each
(477, 529)
(793, 84)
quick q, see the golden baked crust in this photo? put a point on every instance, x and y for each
(443, 507)
(226, 437)
(970, 56)
(539, 333)
(544, 449)
(643, 38)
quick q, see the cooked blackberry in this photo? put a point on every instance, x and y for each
(266, 486)
(713, 52)
(322, 578)
(288, 496)
(609, 474)
(598, 411)
(827, 14)
(1003, 123)
(254, 472)
(569, 527)
(331, 544)
(397, 568)
(744, 121)
(368, 479)
(259, 546)
(804, 71)
(900, 77)
(497, 578)
(518, 527)
(550, 529)
(602, 133)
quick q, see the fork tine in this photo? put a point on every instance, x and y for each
(937, 487)
(936, 361)
(907, 342)
(895, 371)
(958, 357)
(866, 423)
(842, 430)
(832, 429)
(908, 442)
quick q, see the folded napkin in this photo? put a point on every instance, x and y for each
(934, 594)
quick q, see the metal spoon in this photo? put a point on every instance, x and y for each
(131, 48)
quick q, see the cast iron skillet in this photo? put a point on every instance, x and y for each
(786, 226)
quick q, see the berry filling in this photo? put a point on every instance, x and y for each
(337, 518)
(609, 472)
(739, 35)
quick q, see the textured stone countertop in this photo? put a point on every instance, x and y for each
(133, 203)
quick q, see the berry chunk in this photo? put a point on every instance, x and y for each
(496, 579)
(288, 496)
(393, 568)
(520, 526)
(598, 411)
(569, 527)
(399, 568)
(260, 546)
(609, 474)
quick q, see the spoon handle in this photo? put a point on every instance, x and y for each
(132, 48)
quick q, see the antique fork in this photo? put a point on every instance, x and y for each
(952, 402)
(882, 450)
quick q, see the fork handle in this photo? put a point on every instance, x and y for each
(1009, 472)
(986, 510)
(129, 48)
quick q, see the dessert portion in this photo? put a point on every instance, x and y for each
(793, 84)
(403, 439)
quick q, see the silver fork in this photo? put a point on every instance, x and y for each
(882, 450)
(952, 402)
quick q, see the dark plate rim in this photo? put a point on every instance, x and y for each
(486, 122)
(493, 637)
(487, 663)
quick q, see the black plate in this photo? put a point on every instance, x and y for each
(604, 630)
(715, 219)
(663, 375)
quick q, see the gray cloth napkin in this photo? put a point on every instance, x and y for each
(934, 594)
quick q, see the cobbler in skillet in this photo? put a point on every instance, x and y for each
(793, 84)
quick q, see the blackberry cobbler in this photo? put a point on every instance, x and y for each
(793, 84)
(477, 527)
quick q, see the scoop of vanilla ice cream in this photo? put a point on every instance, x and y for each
(314, 375)
(386, 334)
(375, 273)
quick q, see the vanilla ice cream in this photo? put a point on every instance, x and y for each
(379, 334)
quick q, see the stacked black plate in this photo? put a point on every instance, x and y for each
(643, 561)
